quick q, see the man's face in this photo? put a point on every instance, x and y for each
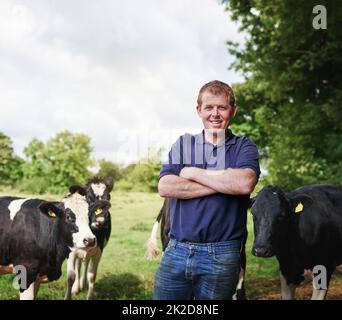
(215, 111)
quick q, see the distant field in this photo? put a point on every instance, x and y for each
(124, 273)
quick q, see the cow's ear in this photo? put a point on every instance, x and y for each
(251, 202)
(109, 182)
(300, 202)
(79, 189)
(50, 210)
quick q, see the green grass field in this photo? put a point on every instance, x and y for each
(124, 273)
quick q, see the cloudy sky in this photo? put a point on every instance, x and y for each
(126, 73)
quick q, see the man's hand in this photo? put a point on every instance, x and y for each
(173, 186)
(188, 172)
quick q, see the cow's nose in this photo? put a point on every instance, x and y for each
(260, 252)
(89, 242)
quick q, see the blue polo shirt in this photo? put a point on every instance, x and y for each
(218, 217)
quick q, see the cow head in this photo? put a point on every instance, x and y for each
(99, 214)
(99, 189)
(270, 210)
(65, 219)
(273, 212)
(76, 202)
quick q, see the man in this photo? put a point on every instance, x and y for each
(210, 177)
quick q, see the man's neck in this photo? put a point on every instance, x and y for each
(215, 136)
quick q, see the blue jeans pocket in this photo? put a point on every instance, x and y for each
(226, 257)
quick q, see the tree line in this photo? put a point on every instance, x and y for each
(66, 159)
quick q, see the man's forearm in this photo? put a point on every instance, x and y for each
(172, 186)
(228, 181)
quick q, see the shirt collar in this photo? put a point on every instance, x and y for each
(230, 139)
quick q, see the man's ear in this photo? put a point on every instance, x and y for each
(50, 210)
(199, 109)
(79, 189)
(109, 182)
(300, 202)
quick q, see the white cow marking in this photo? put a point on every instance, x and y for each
(98, 188)
(15, 206)
(79, 206)
(29, 293)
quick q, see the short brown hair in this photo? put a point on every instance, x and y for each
(216, 88)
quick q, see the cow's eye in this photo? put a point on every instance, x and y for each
(69, 218)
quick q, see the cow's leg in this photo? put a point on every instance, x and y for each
(287, 291)
(76, 286)
(94, 263)
(318, 294)
(84, 274)
(240, 293)
(70, 275)
(29, 293)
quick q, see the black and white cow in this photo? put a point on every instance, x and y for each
(153, 251)
(36, 235)
(303, 229)
(97, 191)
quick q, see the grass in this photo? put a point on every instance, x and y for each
(124, 273)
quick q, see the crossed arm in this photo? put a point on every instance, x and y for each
(195, 182)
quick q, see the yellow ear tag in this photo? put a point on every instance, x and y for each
(98, 211)
(51, 214)
(299, 208)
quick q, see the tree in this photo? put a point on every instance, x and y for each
(63, 161)
(142, 176)
(6, 154)
(69, 159)
(109, 169)
(15, 170)
(296, 72)
(250, 101)
(10, 165)
(37, 162)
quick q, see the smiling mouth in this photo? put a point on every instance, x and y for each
(216, 123)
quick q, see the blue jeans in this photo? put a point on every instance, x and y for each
(201, 271)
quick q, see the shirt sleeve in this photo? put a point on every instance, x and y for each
(173, 164)
(248, 157)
